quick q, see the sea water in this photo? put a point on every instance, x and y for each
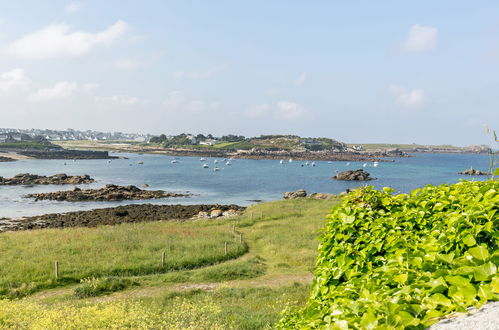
(244, 182)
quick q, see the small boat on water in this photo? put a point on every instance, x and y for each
(330, 162)
(202, 159)
(348, 164)
(365, 164)
(313, 164)
(228, 163)
(375, 164)
(174, 161)
(215, 161)
(290, 160)
(140, 163)
(307, 163)
(216, 169)
(281, 161)
(205, 165)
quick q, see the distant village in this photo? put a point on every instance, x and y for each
(15, 134)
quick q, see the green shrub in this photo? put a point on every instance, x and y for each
(92, 287)
(404, 261)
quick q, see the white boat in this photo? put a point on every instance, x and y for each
(174, 161)
(205, 165)
(313, 164)
(290, 160)
(375, 164)
(216, 169)
(228, 163)
(365, 164)
(307, 163)
(281, 161)
(348, 164)
(330, 162)
(202, 159)
(215, 161)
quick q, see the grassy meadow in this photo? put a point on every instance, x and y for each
(112, 276)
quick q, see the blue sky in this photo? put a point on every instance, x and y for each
(357, 71)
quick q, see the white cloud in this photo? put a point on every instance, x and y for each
(72, 8)
(179, 74)
(59, 40)
(177, 101)
(257, 111)
(282, 111)
(288, 111)
(13, 79)
(301, 79)
(421, 39)
(128, 64)
(408, 97)
(120, 100)
(60, 91)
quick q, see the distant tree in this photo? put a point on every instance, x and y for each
(158, 139)
(232, 138)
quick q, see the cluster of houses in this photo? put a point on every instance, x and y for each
(9, 134)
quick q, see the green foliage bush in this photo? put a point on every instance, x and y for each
(404, 261)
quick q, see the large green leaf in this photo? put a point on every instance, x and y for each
(485, 271)
(479, 252)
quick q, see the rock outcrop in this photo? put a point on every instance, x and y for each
(354, 175)
(472, 171)
(6, 159)
(27, 179)
(110, 192)
(296, 194)
(218, 213)
(116, 215)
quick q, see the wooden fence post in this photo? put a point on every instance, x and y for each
(56, 269)
(240, 238)
(163, 259)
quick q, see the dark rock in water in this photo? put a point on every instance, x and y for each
(297, 194)
(354, 175)
(30, 179)
(117, 215)
(472, 171)
(110, 192)
(6, 159)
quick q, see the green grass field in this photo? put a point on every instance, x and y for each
(28, 258)
(246, 290)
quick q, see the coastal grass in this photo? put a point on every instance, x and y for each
(28, 257)
(248, 292)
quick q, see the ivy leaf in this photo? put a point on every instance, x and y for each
(368, 321)
(479, 252)
(469, 240)
(485, 271)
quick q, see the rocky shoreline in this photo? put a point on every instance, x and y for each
(31, 179)
(110, 192)
(6, 159)
(119, 215)
(379, 156)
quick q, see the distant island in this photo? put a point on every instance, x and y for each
(71, 144)
(15, 146)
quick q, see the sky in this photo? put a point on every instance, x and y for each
(423, 71)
